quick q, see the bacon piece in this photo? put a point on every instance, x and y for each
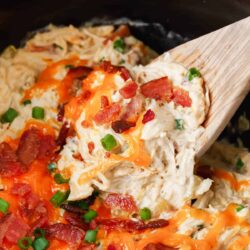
(121, 125)
(129, 225)
(148, 116)
(47, 146)
(28, 147)
(12, 228)
(91, 147)
(108, 67)
(107, 114)
(158, 246)
(204, 171)
(133, 109)
(75, 219)
(66, 232)
(104, 101)
(114, 247)
(79, 72)
(63, 134)
(159, 89)
(30, 205)
(129, 90)
(60, 114)
(181, 97)
(121, 201)
(86, 246)
(73, 209)
(9, 165)
(124, 73)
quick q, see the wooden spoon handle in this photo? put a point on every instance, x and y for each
(223, 58)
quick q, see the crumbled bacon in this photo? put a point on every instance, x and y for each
(63, 134)
(30, 205)
(204, 171)
(60, 114)
(133, 109)
(159, 89)
(86, 246)
(47, 146)
(91, 147)
(124, 73)
(130, 225)
(121, 125)
(28, 147)
(129, 90)
(78, 156)
(12, 228)
(108, 67)
(181, 97)
(75, 219)
(121, 201)
(104, 101)
(158, 246)
(107, 114)
(9, 165)
(71, 234)
(79, 72)
(148, 116)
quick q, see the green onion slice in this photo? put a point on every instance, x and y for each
(179, 124)
(59, 179)
(40, 243)
(90, 236)
(108, 142)
(4, 206)
(24, 243)
(239, 164)
(239, 208)
(38, 113)
(59, 197)
(90, 215)
(26, 102)
(192, 73)
(52, 166)
(9, 115)
(119, 45)
(39, 232)
(145, 213)
(69, 66)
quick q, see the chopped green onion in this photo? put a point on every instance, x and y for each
(59, 179)
(239, 208)
(52, 166)
(179, 124)
(26, 102)
(9, 115)
(108, 142)
(145, 213)
(39, 232)
(24, 243)
(38, 112)
(90, 236)
(192, 73)
(40, 243)
(9, 52)
(59, 197)
(4, 206)
(121, 62)
(90, 215)
(239, 164)
(119, 45)
(69, 66)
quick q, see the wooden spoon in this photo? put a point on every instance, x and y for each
(223, 58)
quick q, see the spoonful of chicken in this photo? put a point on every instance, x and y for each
(223, 59)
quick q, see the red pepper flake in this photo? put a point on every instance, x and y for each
(91, 147)
(122, 125)
(77, 156)
(104, 101)
(148, 116)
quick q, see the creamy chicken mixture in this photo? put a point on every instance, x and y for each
(90, 110)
